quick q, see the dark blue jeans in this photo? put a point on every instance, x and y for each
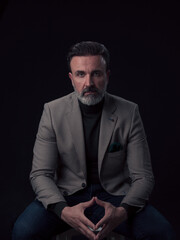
(37, 223)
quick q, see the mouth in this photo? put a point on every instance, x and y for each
(89, 93)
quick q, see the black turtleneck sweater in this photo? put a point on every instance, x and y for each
(91, 116)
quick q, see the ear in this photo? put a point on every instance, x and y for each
(71, 77)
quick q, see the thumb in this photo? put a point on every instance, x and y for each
(88, 203)
(100, 202)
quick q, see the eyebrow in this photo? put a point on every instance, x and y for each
(97, 70)
(79, 71)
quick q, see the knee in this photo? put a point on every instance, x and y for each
(21, 231)
(164, 232)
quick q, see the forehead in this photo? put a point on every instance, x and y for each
(87, 63)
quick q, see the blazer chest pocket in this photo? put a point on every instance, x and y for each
(114, 163)
(117, 154)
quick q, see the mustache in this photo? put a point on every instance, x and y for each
(90, 89)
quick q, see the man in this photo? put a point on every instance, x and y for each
(91, 167)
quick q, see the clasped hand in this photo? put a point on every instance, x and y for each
(75, 217)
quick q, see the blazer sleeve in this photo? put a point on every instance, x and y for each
(45, 160)
(139, 164)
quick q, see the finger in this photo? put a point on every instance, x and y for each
(89, 235)
(86, 232)
(103, 233)
(100, 202)
(101, 222)
(87, 222)
(88, 203)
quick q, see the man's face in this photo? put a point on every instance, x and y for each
(89, 78)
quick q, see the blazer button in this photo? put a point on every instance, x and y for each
(83, 185)
(65, 193)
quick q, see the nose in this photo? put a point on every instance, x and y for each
(89, 81)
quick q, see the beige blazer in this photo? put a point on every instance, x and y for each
(59, 164)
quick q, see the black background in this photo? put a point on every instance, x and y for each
(143, 40)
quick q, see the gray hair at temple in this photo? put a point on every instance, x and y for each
(88, 48)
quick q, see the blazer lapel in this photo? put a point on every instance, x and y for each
(76, 127)
(108, 122)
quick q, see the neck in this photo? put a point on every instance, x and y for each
(91, 108)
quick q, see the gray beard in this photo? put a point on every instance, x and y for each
(91, 99)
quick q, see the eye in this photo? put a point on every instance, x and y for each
(80, 74)
(97, 74)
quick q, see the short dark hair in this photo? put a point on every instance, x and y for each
(88, 48)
